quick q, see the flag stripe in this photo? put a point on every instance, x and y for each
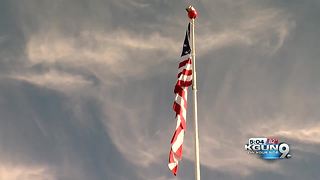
(178, 144)
(186, 72)
(185, 60)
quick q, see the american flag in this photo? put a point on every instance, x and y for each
(180, 103)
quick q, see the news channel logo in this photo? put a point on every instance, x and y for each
(268, 148)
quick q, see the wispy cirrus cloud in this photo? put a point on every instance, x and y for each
(55, 80)
(14, 172)
(266, 29)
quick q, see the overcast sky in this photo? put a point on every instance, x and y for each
(86, 88)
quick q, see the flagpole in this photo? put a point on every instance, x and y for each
(192, 15)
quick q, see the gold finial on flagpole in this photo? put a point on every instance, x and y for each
(192, 13)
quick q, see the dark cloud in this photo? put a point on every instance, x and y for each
(38, 126)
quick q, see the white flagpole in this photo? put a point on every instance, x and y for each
(195, 106)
